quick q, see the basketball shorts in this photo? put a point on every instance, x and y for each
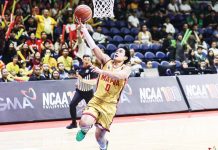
(102, 111)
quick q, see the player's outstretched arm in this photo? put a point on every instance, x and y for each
(103, 58)
(122, 74)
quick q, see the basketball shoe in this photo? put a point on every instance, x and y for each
(72, 125)
(80, 135)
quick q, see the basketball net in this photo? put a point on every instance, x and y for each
(103, 8)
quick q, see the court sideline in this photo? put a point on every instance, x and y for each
(178, 131)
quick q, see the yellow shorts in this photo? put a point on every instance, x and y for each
(102, 111)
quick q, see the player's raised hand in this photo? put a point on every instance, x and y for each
(97, 70)
(81, 26)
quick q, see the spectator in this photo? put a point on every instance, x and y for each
(8, 53)
(156, 19)
(36, 76)
(144, 36)
(199, 56)
(200, 42)
(48, 59)
(13, 67)
(214, 5)
(47, 45)
(192, 19)
(149, 65)
(180, 52)
(214, 68)
(185, 7)
(5, 76)
(36, 59)
(58, 46)
(161, 6)
(211, 19)
(215, 33)
(70, 26)
(133, 21)
(46, 72)
(173, 7)
(98, 36)
(30, 25)
(65, 59)
(202, 67)
(25, 51)
(24, 70)
(169, 27)
(62, 72)
(45, 23)
(210, 58)
(55, 75)
(214, 48)
(42, 41)
(135, 63)
(155, 34)
(163, 35)
(33, 43)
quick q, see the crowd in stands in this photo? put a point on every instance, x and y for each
(41, 41)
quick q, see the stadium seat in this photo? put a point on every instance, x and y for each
(134, 46)
(121, 45)
(178, 64)
(144, 47)
(164, 63)
(121, 24)
(101, 46)
(143, 65)
(117, 39)
(134, 31)
(139, 55)
(125, 31)
(155, 64)
(160, 55)
(112, 55)
(105, 31)
(110, 48)
(149, 55)
(128, 39)
(111, 23)
(114, 31)
(155, 47)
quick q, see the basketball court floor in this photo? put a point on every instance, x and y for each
(180, 131)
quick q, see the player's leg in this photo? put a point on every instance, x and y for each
(76, 99)
(85, 124)
(100, 137)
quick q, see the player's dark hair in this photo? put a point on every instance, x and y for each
(86, 56)
(127, 54)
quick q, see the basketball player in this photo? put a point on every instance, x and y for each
(84, 88)
(102, 107)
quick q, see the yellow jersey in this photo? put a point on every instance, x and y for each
(109, 89)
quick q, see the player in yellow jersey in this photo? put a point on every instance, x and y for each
(101, 109)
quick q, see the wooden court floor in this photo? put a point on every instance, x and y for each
(180, 131)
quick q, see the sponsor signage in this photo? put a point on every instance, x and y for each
(201, 91)
(48, 100)
(151, 95)
(37, 100)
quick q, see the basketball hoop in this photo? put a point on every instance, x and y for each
(103, 8)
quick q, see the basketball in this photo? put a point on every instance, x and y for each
(82, 12)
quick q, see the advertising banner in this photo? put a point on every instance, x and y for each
(151, 95)
(49, 100)
(201, 91)
(37, 100)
